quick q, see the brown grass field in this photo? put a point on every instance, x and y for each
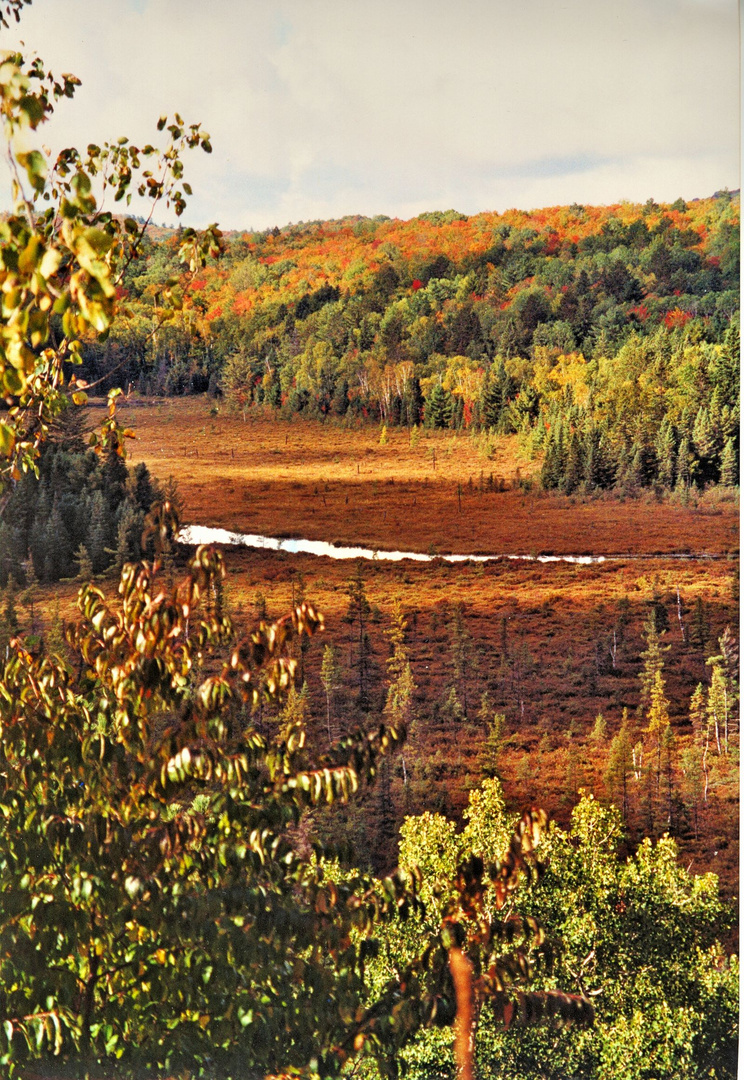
(304, 478)
(538, 634)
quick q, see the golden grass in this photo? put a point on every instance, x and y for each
(305, 478)
(325, 482)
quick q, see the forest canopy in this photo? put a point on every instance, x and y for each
(606, 336)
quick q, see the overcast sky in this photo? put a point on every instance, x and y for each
(321, 108)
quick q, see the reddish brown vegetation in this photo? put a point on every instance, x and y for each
(538, 637)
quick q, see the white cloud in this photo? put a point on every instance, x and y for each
(323, 107)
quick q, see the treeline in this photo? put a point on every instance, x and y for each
(83, 514)
(607, 336)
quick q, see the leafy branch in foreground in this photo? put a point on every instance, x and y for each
(62, 253)
(155, 912)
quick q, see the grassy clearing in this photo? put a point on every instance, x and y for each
(538, 635)
(339, 484)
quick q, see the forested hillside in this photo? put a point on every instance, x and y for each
(606, 336)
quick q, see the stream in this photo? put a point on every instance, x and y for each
(204, 534)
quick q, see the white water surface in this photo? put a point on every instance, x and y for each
(203, 534)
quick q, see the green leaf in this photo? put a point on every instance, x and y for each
(7, 440)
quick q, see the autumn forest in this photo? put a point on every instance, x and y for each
(369, 662)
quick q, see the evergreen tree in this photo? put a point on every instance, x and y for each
(85, 566)
(729, 465)
(129, 525)
(357, 616)
(401, 687)
(438, 407)
(658, 722)
(144, 491)
(492, 748)
(9, 618)
(666, 455)
(653, 660)
(97, 540)
(598, 472)
(599, 731)
(413, 403)
(57, 548)
(718, 704)
(685, 461)
(554, 463)
(575, 467)
(331, 676)
(461, 656)
(30, 594)
(699, 630)
(115, 476)
(707, 447)
(620, 767)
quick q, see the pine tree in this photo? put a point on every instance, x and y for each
(698, 715)
(144, 492)
(460, 653)
(599, 731)
(554, 464)
(574, 469)
(55, 638)
(296, 709)
(438, 407)
(723, 690)
(685, 462)
(29, 594)
(717, 704)
(699, 631)
(401, 688)
(57, 547)
(653, 660)
(694, 783)
(98, 533)
(413, 403)
(729, 465)
(115, 476)
(331, 676)
(620, 767)
(658, 721)
(491, 753)
(666, 455)
(85, 566)
(598, 471)
(634, 475)
(357, 615)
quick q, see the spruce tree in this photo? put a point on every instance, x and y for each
(699, 630)
(729, 465)
(97, 540)
(331, 676)
(653, 660)
(357, 615)
(685, 462)
(438, 407)
(574, 469)
(57, 548)
(85, 566)
(490, 756)
(620, 767)
(666, 469)
(658, 721)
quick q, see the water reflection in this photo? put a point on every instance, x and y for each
(203, 534)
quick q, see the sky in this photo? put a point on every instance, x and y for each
(323, 108)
